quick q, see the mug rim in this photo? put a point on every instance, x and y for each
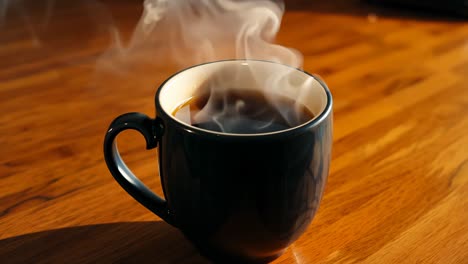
(290, 131)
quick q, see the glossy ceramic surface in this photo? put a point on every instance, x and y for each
(235, 197)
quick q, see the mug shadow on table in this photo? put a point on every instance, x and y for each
(126, 242)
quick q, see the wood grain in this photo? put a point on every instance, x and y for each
(397, 190)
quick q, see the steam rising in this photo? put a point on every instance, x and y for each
(175, 34)
(188, 32)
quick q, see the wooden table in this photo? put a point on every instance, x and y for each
(398, 185)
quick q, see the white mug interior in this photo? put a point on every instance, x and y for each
(268, 77)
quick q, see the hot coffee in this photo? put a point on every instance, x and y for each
(242, 112)
(238, 197)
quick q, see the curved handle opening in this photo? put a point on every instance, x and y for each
(119, 170)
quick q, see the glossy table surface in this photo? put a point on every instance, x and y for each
(398, 185)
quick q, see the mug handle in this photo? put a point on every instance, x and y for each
(151, 130)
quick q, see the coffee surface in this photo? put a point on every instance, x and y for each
(242, 112)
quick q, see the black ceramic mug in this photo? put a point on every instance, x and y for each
(235, 196)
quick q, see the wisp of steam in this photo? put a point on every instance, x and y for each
(189, 32)
(197, 31)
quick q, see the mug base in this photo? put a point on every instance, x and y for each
(219, 256)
